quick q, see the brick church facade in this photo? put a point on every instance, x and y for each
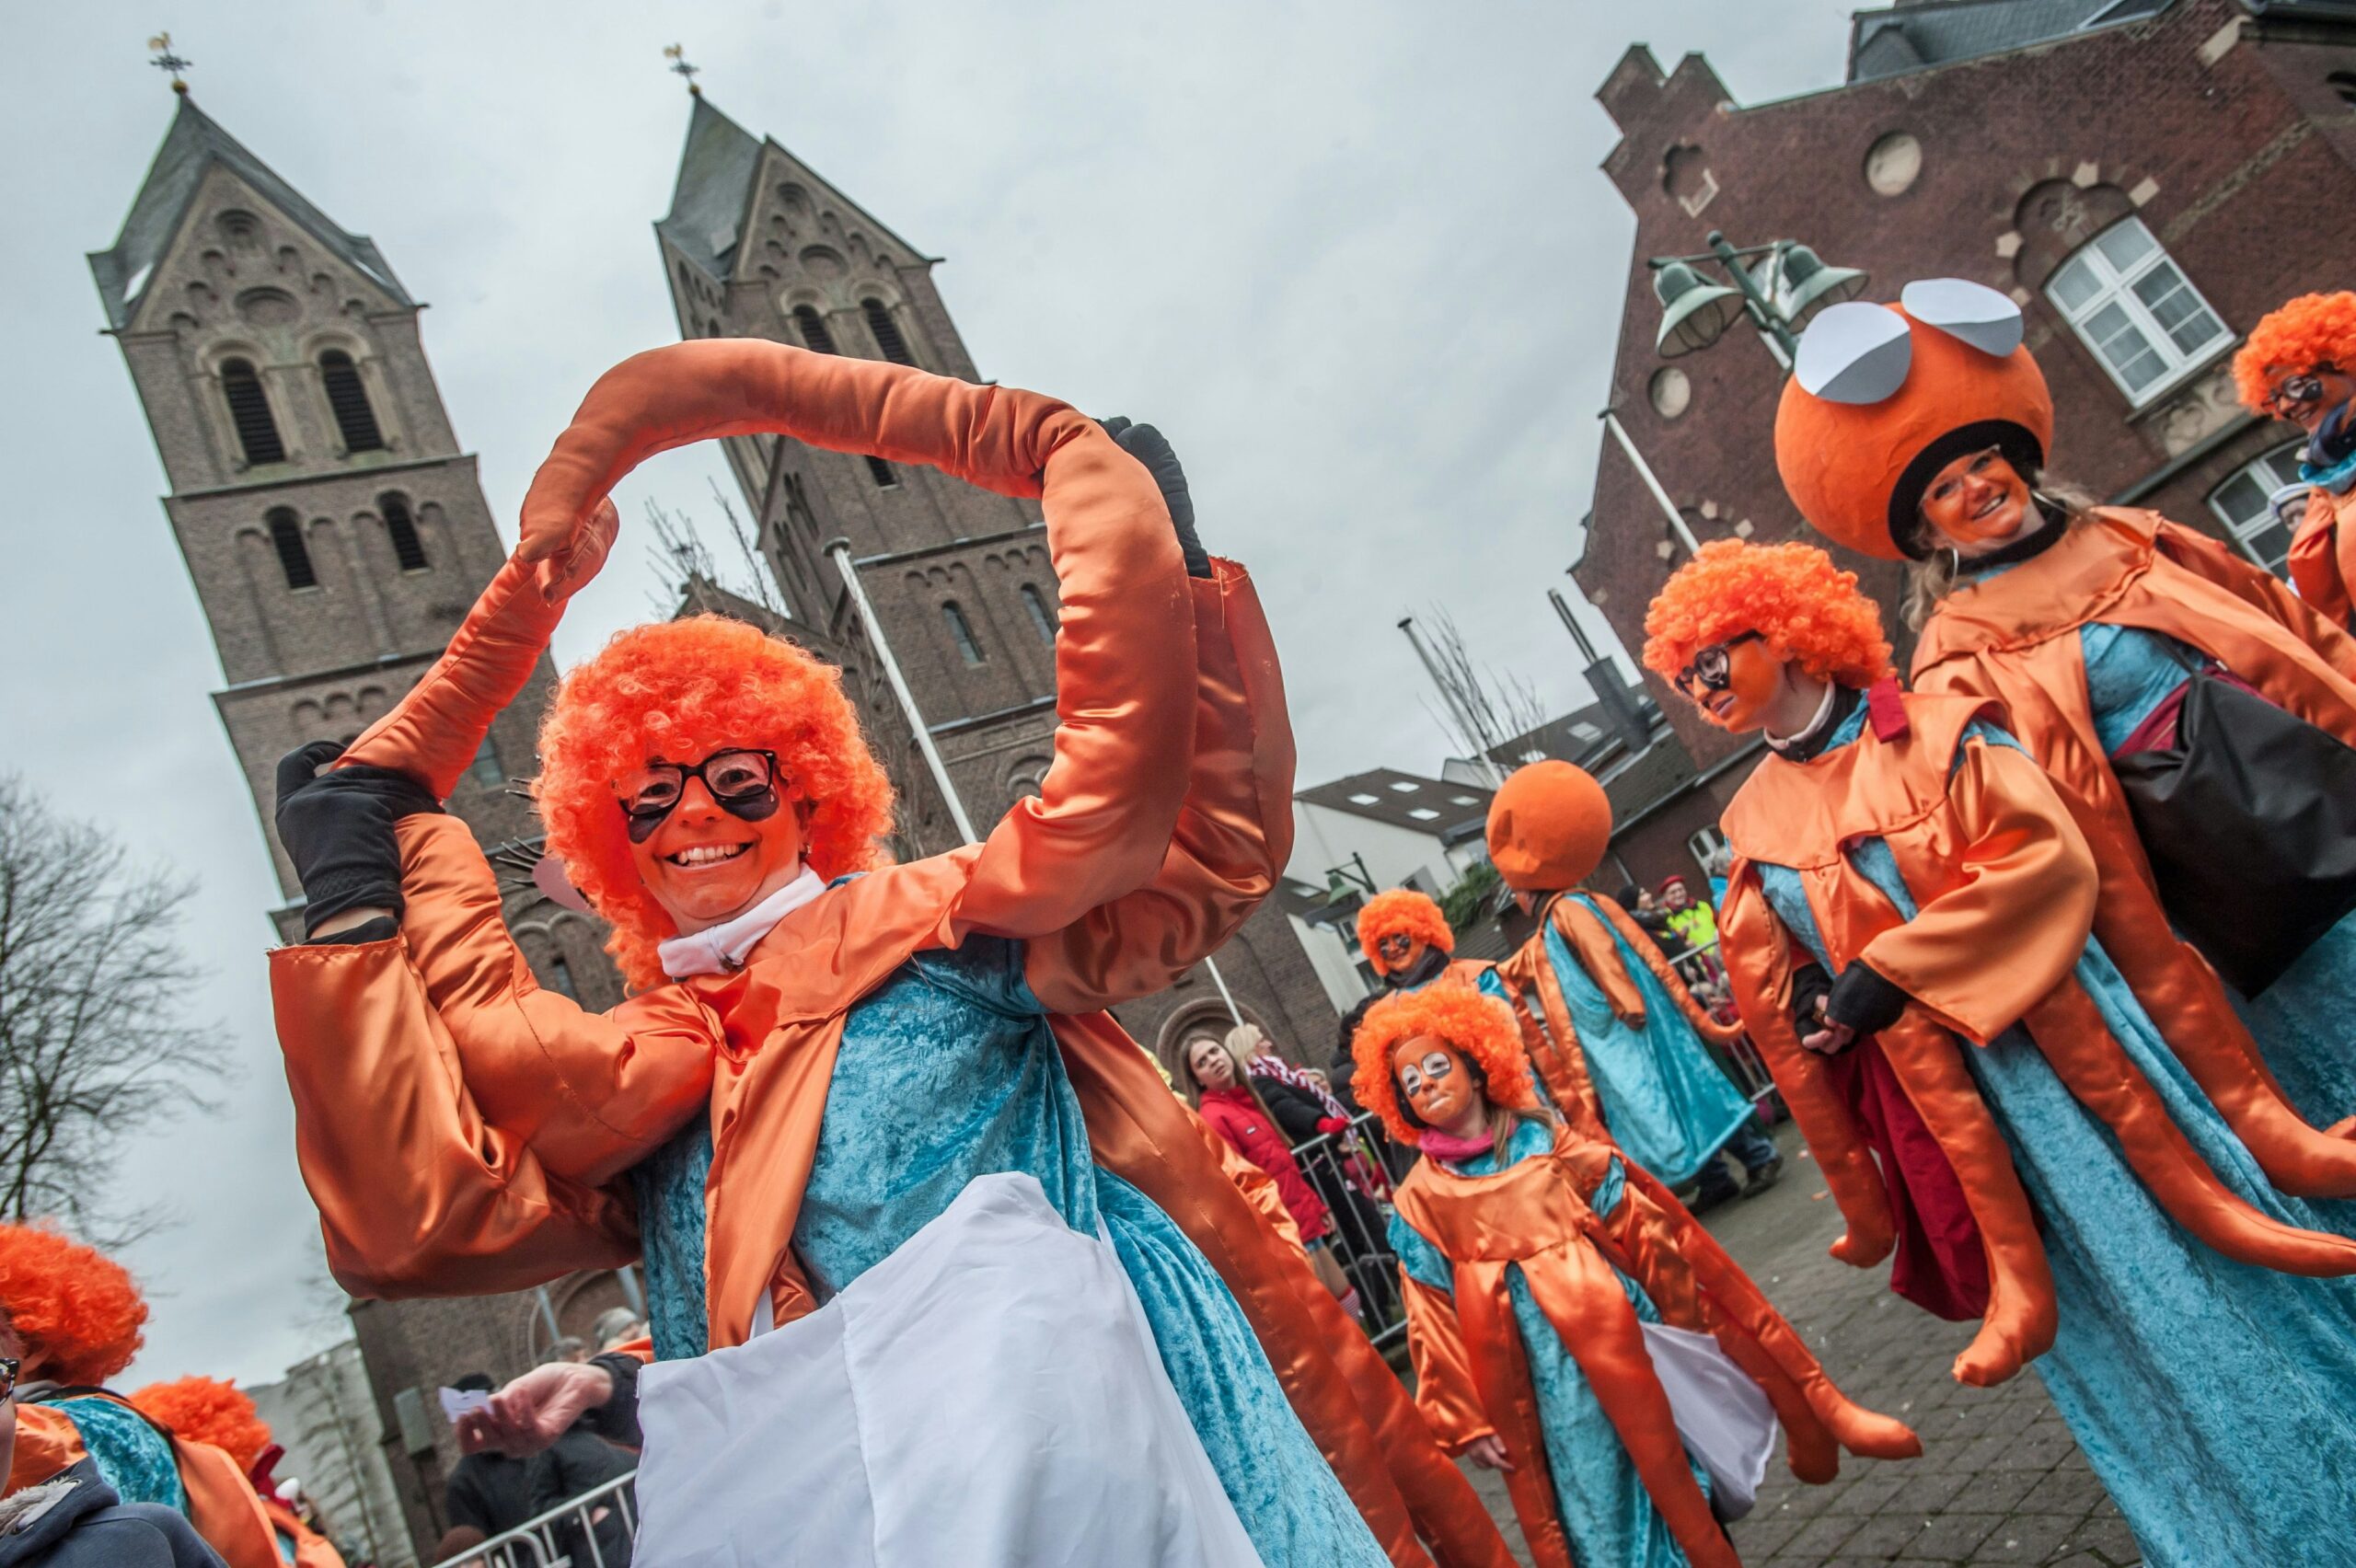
(336, 534)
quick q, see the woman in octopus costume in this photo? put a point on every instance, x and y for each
(1557, 1294)
(855, 1114)
(1925, 431)
(1920, 946)
(1406, 938)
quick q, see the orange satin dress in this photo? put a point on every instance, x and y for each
(1473, 1376)
(2323, 555)
(463, 1130)
(1993, 851)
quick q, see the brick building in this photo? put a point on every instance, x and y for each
(2147, 178)
(336, 534)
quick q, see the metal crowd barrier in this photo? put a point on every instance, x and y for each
(1345, 1171)
(533, 1543)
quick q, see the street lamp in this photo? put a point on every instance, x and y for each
(1780, 286)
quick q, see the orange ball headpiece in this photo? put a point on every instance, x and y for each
(1397, 910)
(1549, 825)
(1810, 612)
(74, 1309)
(206, 1409)
(1480, 1028)
(2312, 332)
(683, 689)
(1882, 397)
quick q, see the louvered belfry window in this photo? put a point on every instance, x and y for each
(349, 400)
(887, 332)
(401, 528)
(813, 327)
(294, 556)
(250, 412)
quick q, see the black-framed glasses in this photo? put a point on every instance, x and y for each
(743, 782)
(1712, 666)
(9, 1366)
(2293, 392)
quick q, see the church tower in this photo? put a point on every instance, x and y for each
(757, 244)
(334, 531)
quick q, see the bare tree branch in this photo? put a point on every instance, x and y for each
(1481, 709)
(94, 1047)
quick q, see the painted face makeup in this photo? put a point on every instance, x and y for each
(1733, 682)
(1978, 503)
(1398, 950)
(1436, 1082)
(714, 841)
(2305, 397)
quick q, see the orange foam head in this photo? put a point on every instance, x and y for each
(1549, 825)
(1882, 397)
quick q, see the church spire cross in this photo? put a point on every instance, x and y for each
(676, 55)
(165, 60)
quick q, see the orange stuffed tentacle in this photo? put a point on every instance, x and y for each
(1564, 1060)
(2069, 1030)
(1509, 1399)
(2022, 1315)
(1705, 1026)
(1597, 953)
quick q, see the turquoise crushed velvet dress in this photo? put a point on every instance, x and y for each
(949, 1071)
(2305, 1023)
(1668, 1105)
(132, 1457)
(2216, 1401)
(1605, 1509)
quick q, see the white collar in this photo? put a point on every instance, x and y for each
(720, 949)
(1809, 730)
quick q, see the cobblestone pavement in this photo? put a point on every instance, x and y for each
(1999, 1481)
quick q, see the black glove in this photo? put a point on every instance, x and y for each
(1863, 1001)
(1810, 987)
(337, 829)
(1146, 445)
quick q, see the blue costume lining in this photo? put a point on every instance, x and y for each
(1666, 1102)
(949, 1071)
(132, 1457)
(1605, 1509)
(2216, 1401)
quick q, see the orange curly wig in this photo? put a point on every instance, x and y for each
(206, 1409)
(683, 689)
(1479, 1026)
(1402, 909)
(76, 1311)
(2312, 330)
(1809, 609)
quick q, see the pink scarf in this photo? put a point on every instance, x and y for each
(1442, 1145)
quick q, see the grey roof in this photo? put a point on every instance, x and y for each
(1385, 794)
(1915, 34)
(192, 146)
(715, 190)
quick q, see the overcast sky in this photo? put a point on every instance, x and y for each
(1355, 258)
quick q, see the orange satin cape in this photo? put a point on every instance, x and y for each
(221, 1502)
(2321, 562)
(2014, 639)
(1546, 1029)
(1992, 855)
(462, 1130)
(1471, 1368)
(312, 1550)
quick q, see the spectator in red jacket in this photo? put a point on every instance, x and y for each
(1222, 1085)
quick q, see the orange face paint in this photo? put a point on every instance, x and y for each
(1978, 503)
(1436, 1083)
(1752, 675)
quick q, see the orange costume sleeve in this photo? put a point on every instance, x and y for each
(2212, 557)
(2315, 561)
(1445, 1391)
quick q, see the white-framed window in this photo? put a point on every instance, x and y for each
(1704, 843)
(2136, 310)
(2241, 504)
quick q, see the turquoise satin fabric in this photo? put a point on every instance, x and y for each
(132, 1457)
(949, 1071)
(1668, 1104)
(2215, 1402)
(1605, 1509)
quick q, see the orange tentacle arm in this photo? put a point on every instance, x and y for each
(1599, 956)
(1501, 1366)
(1551, 1041)
(1445, 1393)
(2317, 623)
(1702, 1024)
(1757, 952)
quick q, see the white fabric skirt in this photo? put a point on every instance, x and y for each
(987, 1395)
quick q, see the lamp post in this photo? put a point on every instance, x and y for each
(1781, 285)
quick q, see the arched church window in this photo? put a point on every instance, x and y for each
(813, 327)
(294, 554)
(2134, 308)
(1042, 617)
(886, 332)
(250, 413)
(960, 633)
(348, 402)
(401, 529)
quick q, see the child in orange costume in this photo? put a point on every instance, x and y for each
(1907, 882)
(1545, 1276)
(743, 1099)
(77, 1317)
(2299, 364)
(1617, 1036)
(206, 1409)
(2088, 624)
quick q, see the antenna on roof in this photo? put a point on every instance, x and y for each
(679, 67)
(160, 46)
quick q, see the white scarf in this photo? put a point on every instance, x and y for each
(720, 949)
